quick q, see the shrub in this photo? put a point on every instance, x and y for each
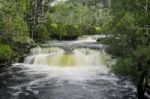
(125, 66)
(52, 30)
(88, 29)
(142, 54)
(63, 32)
(42, 34)
(72, 32)
(5, 53)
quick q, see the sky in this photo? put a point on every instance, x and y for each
(56, 1)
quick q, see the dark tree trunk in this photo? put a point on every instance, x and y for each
(141, 84)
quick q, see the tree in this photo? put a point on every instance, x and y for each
(37, 14)
(42, 33)
(130, 30)
(12, 21)
(75, 13)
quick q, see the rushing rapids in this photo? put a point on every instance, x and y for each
(65, 70)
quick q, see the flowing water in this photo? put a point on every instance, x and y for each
(65, 70)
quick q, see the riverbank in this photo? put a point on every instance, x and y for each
(15, 51)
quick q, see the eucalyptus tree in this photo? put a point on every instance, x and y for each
(69, 13)
(13, 29)
(76, 13)
(37, 14)
(131, 27)
(12, 21)
(131, 21)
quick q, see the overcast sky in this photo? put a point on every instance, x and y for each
(55, 2)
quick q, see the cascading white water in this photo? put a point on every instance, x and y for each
(39, 50)
(38, 54)
(68, 70)
(80, 57)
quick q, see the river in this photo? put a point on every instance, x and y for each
(65, 70)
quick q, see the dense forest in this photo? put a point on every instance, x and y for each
(25, 22)
(126, 24)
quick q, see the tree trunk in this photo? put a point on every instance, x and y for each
(141, 84)
(37, 14)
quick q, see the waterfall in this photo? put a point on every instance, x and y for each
(69, 69)
(57, 57)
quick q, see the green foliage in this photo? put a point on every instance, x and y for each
(60, 30)
(142, 54)
(104, 3)
(130, 35)
(14, 29)
(88, 29)
(70, 19)
(22, 40)
(12, 17)
(36, 16)
(12, 22)
(125, 66)
(63, 32)
(76, 13)
(52, 30)
(5, 53)
(42, 33)
(72, 32)
(125, 25)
